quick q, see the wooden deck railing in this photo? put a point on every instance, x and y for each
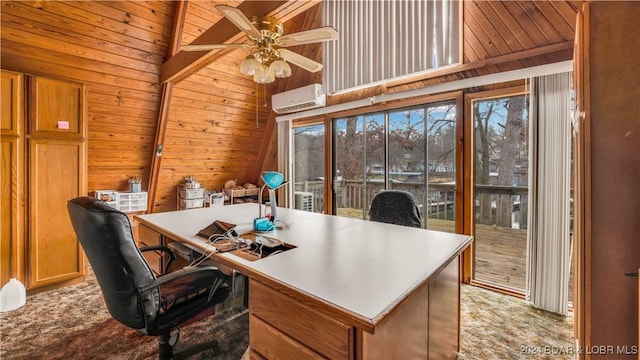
(355, 194)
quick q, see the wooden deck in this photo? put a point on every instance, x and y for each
(500, 254)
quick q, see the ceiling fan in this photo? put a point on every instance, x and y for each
(269, 56)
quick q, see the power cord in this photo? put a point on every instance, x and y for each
(281, 225)
(211, 248)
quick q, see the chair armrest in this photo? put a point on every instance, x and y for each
(149, 297)
(176, 274)
(170, 253)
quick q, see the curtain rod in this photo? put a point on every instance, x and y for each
(482, 80)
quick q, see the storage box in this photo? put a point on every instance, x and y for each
(191, 203)
(132, 201)
(191, 193)
(108, 196)
(251, 192)
(216, 199)
(234, 193)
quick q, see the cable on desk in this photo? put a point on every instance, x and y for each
(280, 222)
(208, 251)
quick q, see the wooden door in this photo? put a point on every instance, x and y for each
(56, 174)
(606, 168)
(56, 108)
(12, 179)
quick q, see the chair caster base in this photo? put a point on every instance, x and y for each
(166, 344)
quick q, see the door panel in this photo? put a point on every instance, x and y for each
(56, 108)
(56, 176)
(12, 179)
(12, 211)
(11, 110)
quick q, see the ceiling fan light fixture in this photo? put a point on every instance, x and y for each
(250, 65)
(263, 75)
(279, 68)
(269, 58)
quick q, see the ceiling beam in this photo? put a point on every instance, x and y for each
(185, 63)
(179, 17)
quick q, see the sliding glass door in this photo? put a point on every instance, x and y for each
(501, 129)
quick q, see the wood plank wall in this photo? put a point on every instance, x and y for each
(117, 48)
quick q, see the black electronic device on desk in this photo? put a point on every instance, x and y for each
(223, 236)
(218, 229)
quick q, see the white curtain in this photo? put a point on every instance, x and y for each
(381, 40)
(549, 242)
(285, 160)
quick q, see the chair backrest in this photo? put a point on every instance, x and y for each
(395, 207)
(106, 237)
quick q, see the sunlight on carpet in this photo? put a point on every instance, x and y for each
(496, 326)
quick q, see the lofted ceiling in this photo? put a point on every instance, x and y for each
(231, 139)
(214, 123)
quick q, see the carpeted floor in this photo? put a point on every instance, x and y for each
(496, 326)
(73, 323)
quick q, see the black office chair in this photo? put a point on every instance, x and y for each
(395, 207)
(134, 296)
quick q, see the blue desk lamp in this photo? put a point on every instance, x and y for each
(273, 180)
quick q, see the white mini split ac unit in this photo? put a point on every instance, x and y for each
(304, 98)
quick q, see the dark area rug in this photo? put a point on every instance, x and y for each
(73, 323)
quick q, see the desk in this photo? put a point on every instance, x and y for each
(350, 289)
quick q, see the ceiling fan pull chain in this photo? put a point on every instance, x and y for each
(257, 88)
(265, 95)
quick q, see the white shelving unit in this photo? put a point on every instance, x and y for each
(128, 202)
(189, 198)
(243, 194)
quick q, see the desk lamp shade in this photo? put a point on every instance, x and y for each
(272, 179)
(12, 296)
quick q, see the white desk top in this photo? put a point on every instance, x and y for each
(362, 267)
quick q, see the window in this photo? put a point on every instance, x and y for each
(308, 142)
(381, 40)
(411, 149)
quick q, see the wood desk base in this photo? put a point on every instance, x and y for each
(425, 325)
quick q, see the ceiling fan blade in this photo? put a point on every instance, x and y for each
(301, 61)
(240, 20)
(322, 34)
(204, 47)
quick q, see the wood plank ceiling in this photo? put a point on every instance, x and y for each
(219, 124)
